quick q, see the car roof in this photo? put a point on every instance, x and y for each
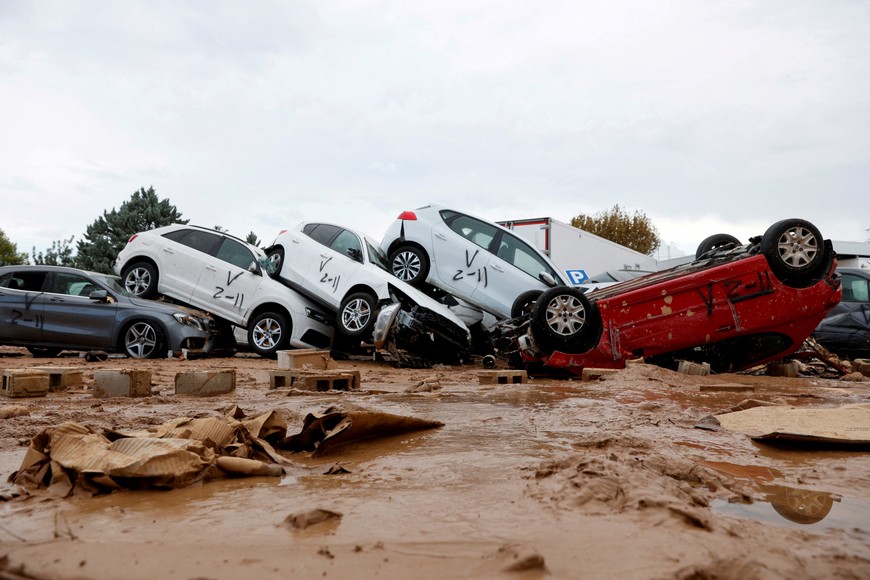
(51, 268)
(173, 227)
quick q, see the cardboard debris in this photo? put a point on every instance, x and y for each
(302, 520)
(73, 458)
(321, 433)
(848, 425)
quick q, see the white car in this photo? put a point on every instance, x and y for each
(345, 272)
(227, 277)
(476, 260)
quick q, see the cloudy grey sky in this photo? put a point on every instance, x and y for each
(713, 116)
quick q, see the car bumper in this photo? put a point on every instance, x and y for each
(420, 337)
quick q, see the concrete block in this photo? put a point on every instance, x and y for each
(787, 369)
(305, 358)
(25, 383)
(594, 374)
(861, 365)
(63, 378)
(502, 377)
(205, 383)
(335, 380)
(122, 383)
(692, 368)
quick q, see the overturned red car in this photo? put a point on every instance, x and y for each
(735, 306)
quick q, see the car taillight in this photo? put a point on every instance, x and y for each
(133, 237)
(407, 215)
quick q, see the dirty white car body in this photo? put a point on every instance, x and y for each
(475, 260)
(345, 272)
(227, 277)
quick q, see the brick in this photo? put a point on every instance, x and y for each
(63, 378)
(788, 369)
(594, 374)
(305, 358)
(502, 377)
(205, 383)
(336, 380)
(692, 368)
(25, 383)
(122, 383)
(861, 365)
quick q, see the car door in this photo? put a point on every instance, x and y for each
(460, 247)
(71, 317)
(512, 270)
(337, 264)
(227, 285)
(182, 259)
(21, 305)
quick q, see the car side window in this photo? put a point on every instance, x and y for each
(29, 281)
(481, 233)
(855, 289)
(346, 241)
(323, 233)
(197, 239)
(515, 251)
(71, 285)
(235, 253)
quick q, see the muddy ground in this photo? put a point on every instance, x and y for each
(552, 478)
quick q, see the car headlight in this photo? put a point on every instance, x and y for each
(188, 320)
(383, 323)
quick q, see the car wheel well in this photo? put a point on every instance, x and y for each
(135, 259)
(270, 307)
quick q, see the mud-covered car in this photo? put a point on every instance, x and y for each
(227, 277)
(48, 309)
(845, 330)
(736, 307)
(477, 261)
(345, 272)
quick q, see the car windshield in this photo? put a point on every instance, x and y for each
(113, 283)
(377, 257)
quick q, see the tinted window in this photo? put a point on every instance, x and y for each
(23, 280)
(322, 233)
(235, 253)
(515, 251)
(855, 289)
(197, 239)
(481, 233)
(346, 241)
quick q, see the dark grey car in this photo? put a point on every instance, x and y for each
(845, 331)
(48, 309)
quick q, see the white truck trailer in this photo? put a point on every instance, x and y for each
(576, 252)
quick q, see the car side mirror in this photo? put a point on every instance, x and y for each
(254, 268)
(547, 278)
(99, 295)
(355, 254)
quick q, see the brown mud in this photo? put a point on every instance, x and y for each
(551, 478)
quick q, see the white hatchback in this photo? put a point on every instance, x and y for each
(473, 259)
(226, 276)
(345, 271)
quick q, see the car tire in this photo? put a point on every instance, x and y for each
(276, 257)
(356, 315)
(716, 242)
(564, 320)
(143, 339)
(43, 351)
(795, 250)
(525, 303)
(268, 333)
(409, 264)
(140, 279)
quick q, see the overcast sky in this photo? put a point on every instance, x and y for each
(712, 116)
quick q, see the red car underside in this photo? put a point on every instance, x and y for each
(739, 311)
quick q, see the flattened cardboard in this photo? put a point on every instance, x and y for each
(848, 425)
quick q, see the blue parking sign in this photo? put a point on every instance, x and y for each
(577, 276)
